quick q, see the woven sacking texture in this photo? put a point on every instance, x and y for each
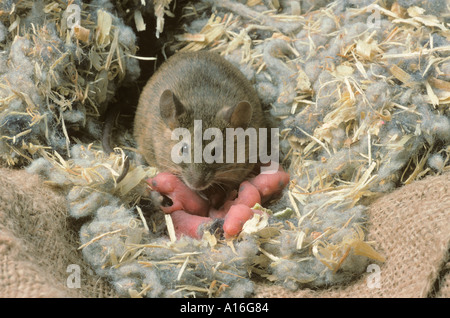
(38, 246)
(412, 229)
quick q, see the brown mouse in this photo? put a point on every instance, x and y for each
(196, 86)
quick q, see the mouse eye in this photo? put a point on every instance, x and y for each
(184, 150)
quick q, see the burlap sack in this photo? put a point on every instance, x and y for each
(38, 243)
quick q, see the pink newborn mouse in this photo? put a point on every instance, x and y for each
(191, 214)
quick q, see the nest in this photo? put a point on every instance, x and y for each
(360, 94)
(60, 67)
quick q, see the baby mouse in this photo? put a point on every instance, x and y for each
(205, 88)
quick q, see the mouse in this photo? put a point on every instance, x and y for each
(195, 91)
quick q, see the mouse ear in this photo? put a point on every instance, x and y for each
(238, 115)
(170, 107)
